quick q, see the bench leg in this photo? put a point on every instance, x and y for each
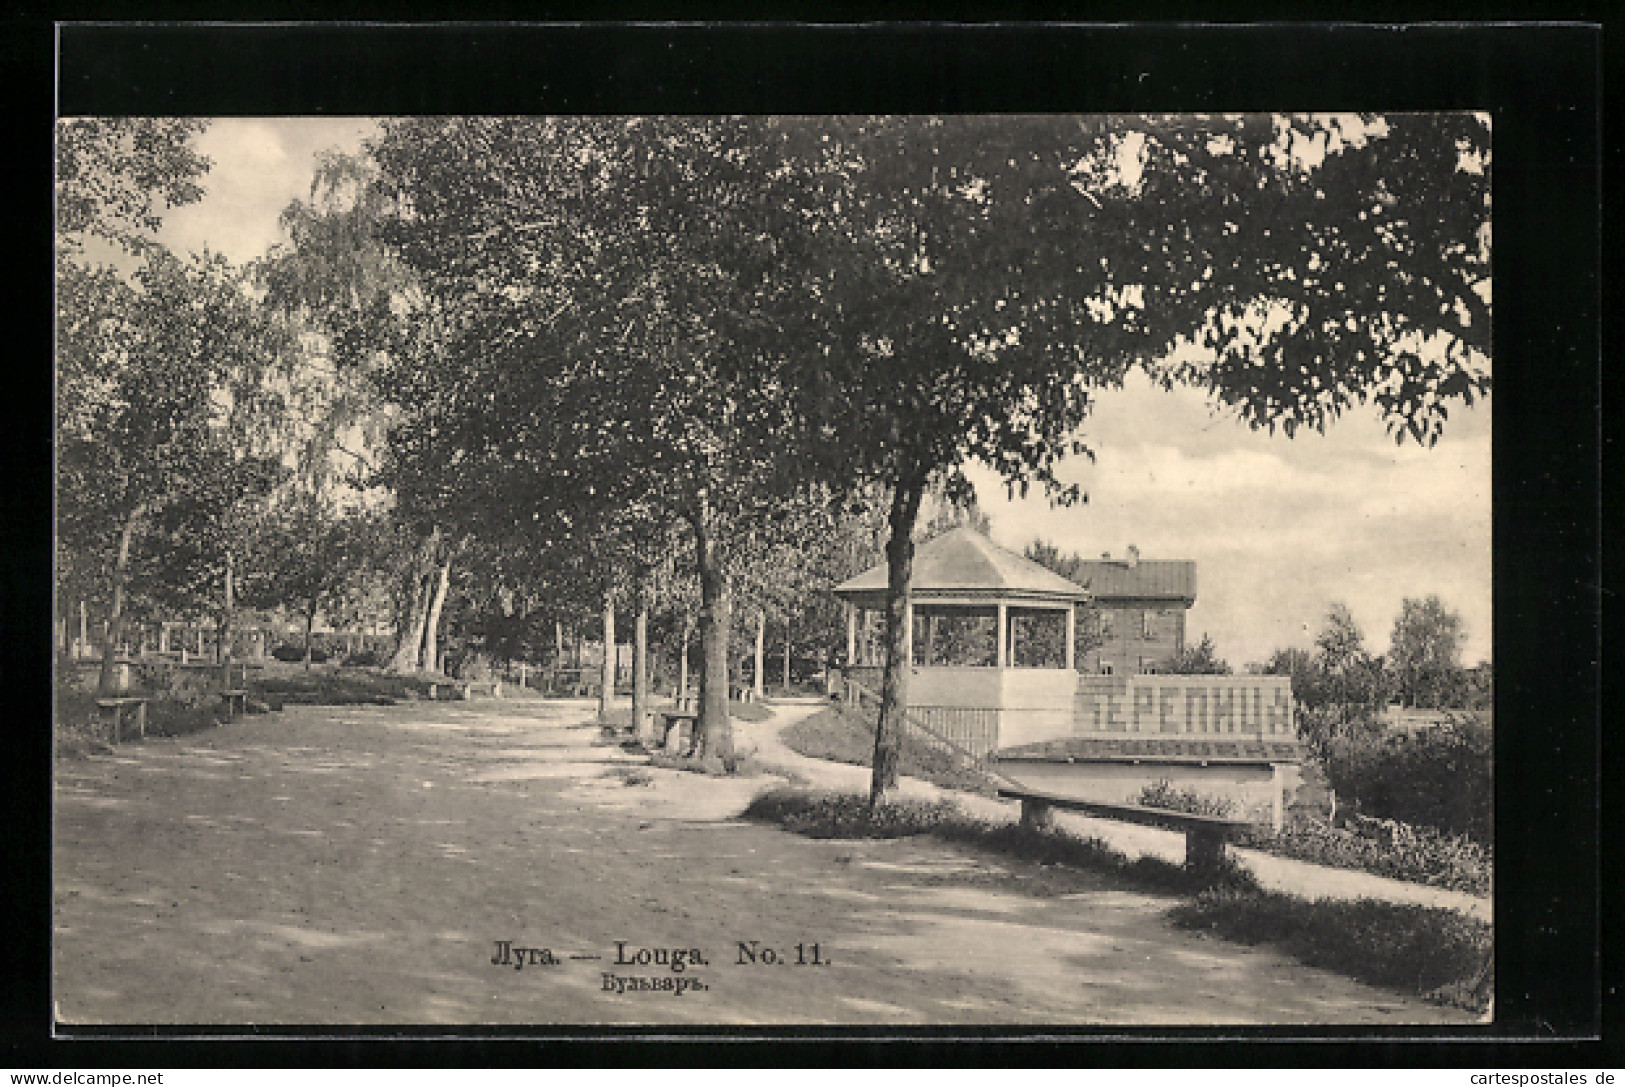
(1036, 815)
(1204, 851)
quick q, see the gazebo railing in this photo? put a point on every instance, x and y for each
(968, 735)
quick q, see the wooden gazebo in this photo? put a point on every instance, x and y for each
(990, 637)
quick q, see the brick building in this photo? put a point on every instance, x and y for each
(1137, 615)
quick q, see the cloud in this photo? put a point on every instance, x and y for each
(260, 165)
(1278, 528)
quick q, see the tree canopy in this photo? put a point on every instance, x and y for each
(116, 175)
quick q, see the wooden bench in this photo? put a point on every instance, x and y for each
(236, 700)
(1205, 835)
(672, 725)
(494, 686)
(117, 707)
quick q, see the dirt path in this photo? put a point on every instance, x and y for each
(364, 866)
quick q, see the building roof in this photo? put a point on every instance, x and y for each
(1170, 579)
(965, 561)
(1249, 749)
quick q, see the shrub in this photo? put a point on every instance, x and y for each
(1414, 854)
(1162, 794)
(367, 658)
(1439, 777)
(847, 815)
(339, 688)
(291, 653)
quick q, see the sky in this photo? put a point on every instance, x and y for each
(1279, 528)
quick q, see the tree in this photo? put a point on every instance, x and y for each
(316, 555)
(113, 173)
(192, 555)
(980, 276)
(597, 346)
(1425, 653)
(162, 398)
(1201, 659)
(1340, 689)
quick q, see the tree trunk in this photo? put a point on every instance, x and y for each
(682, 665)
(640, 674)
(759, 677)
(905, 511)
(713, 733)
(106, 681)
(407, 648)
(787, 654)
(431, 631)
(558, 644)
(310, 622)
(84, 632)
(606, 673)
(225, 616)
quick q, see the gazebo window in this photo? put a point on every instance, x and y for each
(1037, 638)
(955, 636)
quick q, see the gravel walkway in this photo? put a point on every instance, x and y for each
(410, 864)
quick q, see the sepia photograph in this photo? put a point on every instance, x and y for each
(1019, 570)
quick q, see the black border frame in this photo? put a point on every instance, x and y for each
(1541, 82)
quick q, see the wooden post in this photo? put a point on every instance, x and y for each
(682, 667)
(1004, 635)
(521, 675)
(640, 674)
(1277, 797)
(908, 631)
(1072, 638)
(607, 674)
(1036, 815)
(1204, 850)
(759, 680)
(851, 635)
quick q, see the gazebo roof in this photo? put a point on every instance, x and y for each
(966, 562)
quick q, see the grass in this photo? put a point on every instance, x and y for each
(834, 736)
(1436, 954)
